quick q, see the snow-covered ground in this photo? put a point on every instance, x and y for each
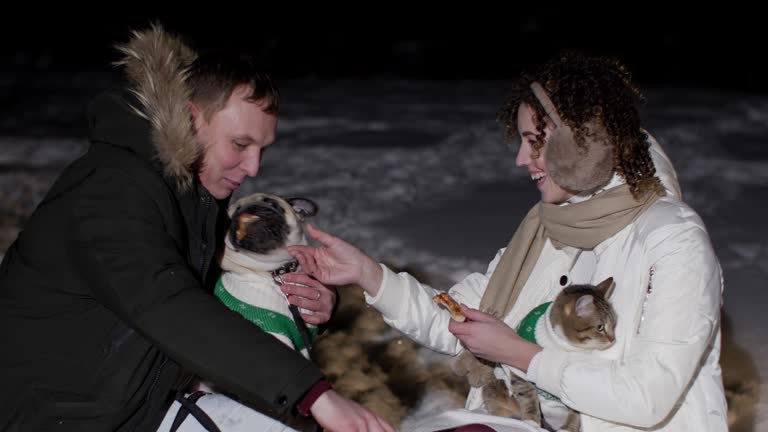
(417, 174)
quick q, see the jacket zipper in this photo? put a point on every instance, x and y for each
(206, 200)
(154, 383)
(648, 292)
(157, 377)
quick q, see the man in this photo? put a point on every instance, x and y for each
(105, 306)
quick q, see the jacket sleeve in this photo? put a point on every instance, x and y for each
(406, 304)
(141, 274)
(679, 322)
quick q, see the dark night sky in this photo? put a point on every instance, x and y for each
(701, 49)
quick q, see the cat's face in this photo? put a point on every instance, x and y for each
(582, 315)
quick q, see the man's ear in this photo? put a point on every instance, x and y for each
(196, 111)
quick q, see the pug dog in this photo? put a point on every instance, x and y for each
(255, 257)
(253, 261)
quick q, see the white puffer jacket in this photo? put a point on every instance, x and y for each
(662, 374)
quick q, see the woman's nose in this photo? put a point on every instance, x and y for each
(523, 154)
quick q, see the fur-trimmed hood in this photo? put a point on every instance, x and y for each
(156, 64)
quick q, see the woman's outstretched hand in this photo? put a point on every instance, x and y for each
(337, 262)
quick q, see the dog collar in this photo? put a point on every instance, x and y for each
(290, 267)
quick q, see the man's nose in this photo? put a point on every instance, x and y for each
(251, 165)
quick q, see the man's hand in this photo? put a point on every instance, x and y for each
(308, 293)
(338, 414)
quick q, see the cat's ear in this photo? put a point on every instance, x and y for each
(585, 305)
(606, 287)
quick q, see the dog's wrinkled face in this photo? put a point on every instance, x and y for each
(262, 223)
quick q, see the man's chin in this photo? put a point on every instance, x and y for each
(221, 193)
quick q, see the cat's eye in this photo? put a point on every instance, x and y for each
(600, 327)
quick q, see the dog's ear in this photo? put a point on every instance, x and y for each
(303, 207)
(233, 208)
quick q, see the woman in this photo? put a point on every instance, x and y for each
(610, 206)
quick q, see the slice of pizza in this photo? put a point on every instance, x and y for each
(453, 307)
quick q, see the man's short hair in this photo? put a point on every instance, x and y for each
(214, 75)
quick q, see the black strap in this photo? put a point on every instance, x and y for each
(277, 276)
(301, 325)
(189, 406)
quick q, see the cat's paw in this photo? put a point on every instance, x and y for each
(498, 401)
(480, 377)
(477, 372)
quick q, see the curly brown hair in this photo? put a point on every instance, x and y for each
(584, 89)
